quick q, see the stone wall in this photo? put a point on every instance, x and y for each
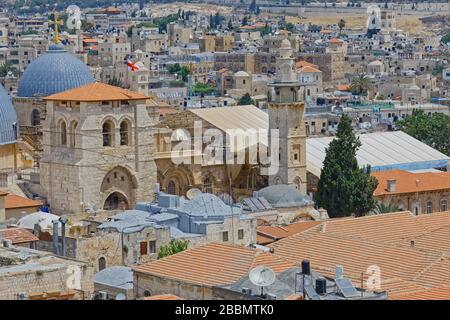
(156, 285)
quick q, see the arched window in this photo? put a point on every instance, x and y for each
(124, 133)
(171, 187)
(207, 185)
(429, 207)
(108, 134)
(73, 129)
(444, 205)
(35, 117)
(63, 132)
(101, 263)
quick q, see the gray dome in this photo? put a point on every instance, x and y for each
(284, 196)
(206, 204)
(8, 119)
(53, 72)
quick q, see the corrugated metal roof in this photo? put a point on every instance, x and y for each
(383, 151)
(8, 117)
(238, 117)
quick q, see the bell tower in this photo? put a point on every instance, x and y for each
(286, 115)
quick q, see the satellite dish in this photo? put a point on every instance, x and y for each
(262, 276)
(192, 193)
(121, 296)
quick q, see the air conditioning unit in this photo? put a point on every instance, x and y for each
(103, 295)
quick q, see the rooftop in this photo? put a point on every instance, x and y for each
(17, 235)
(95, 92)
(212, 264)
(383, 151)
(13, 201)
(408, 182)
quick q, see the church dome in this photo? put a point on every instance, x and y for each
(8, 119)
(53, 72)
(284, 196)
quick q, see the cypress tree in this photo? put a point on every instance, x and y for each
(344, 189)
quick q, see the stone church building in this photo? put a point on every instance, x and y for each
(105, 147)
(98, 149)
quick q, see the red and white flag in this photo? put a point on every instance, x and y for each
(132, 66)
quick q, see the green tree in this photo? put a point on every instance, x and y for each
(341, 25)
(381, 208)
(344, 189)
(204, 88)
(173, 247)
(244, 21)
(432, 130)
(245, 100)
(86, 26)
(446, 38)
(360, 84)
(6, 67)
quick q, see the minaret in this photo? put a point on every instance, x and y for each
(286, 114)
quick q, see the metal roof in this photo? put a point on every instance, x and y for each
(383, 151)
(117, 276)
(8, 118)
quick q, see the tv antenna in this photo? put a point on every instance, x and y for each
(262, 276)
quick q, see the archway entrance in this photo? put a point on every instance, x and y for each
(116, 201)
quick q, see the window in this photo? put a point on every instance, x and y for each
(144, 248)
(152, 246)
(429, 207)
(73, 129)
(443, 205)
(108, 134)
(124, 133)
(35, 117)
(225, 236)
(207, 186)
(171, 187)
(63, 132)
(101, 264)
(240, 234)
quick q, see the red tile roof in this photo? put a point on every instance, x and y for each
(212, 264)
(13, 201)
(269, 234)
(97, 92)
(406, 182)
(18, 235)
(441, 293)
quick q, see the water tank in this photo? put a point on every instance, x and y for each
(306, 268)
(321, 286)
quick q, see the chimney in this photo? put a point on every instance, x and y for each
(339, 272)
(63, 221)
(391, 185)
(306, 268)
(55, 236)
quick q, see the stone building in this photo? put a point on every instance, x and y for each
(420, 193)
(27, 274)
(98, 149)
(286, 115)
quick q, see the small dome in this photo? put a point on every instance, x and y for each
(53, 72)
(8, 119)
(206, 204)
(284, 196)
(241, 74)
(285, 44)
